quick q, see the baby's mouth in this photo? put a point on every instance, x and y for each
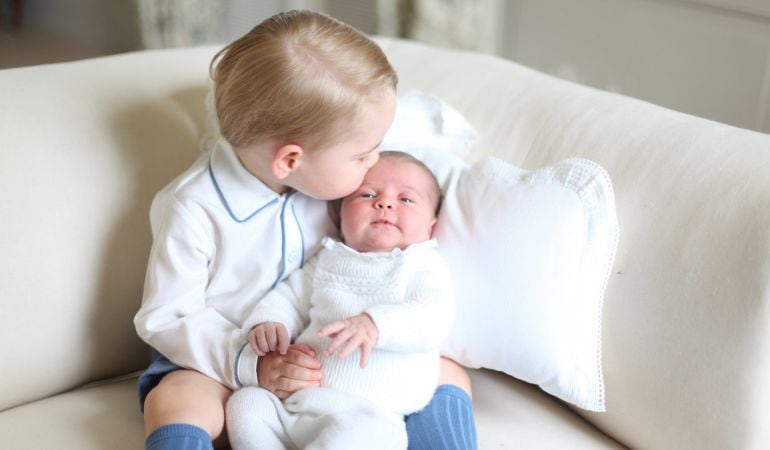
(383, 222)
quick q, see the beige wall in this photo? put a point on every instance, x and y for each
(709, 58)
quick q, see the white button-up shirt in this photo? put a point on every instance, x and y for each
(222, 240)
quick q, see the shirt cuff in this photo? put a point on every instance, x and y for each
(246, 367)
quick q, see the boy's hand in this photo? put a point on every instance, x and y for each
(269, 337)
(285, 374)
(353, 332)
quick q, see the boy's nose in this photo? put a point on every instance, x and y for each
(381, 204)
(373, 159)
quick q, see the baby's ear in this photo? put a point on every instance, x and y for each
(286, 159)
(433, 227)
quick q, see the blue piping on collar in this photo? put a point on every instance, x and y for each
(227, 206)
(283, 240)
(301, 237)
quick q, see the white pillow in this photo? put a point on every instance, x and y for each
(531, 252)
(424, 121)
(432, 131)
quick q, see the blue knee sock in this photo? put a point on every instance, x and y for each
(178, 436)
(446, 423)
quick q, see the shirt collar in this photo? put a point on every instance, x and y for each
(332, 244)
(242, 194)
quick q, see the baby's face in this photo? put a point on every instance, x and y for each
(392, 208)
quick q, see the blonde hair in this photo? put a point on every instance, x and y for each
(298, 76)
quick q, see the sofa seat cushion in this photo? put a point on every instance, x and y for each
(98, 417)
(509, 414)
(513, 414)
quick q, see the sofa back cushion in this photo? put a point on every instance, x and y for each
(83, 148)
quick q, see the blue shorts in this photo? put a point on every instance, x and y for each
(159, 368)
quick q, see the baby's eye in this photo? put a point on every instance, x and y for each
(406, 200)
(367, 195)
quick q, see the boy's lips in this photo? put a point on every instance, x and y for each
(383, 222)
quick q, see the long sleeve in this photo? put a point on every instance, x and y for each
(221, 241)
(425, 317)
(176, 317)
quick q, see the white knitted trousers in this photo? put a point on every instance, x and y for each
(313, 419)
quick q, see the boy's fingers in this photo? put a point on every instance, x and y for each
(298, 373)
(280, 393)
(304, 348)
(280, 374)
(292, 385)
(302, 359)
(283, 340)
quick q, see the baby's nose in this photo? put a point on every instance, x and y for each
(381, 204)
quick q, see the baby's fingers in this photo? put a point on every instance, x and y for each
(366, 350)
(351, 345)
(271, 337)
(283, 340)
(331, 328)
(258, 343)
(341, 338)
(253, 345)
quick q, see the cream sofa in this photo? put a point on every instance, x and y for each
(686, 340)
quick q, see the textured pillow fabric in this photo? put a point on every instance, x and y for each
(424, 121)
(530, 253)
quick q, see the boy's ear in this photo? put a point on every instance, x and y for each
(286, 159)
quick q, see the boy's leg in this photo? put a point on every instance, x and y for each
(256, 418)
(183, 408)
(447, 421)
(178, 436)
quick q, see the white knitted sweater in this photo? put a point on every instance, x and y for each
(408, 295)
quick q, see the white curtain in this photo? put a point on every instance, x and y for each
(466, 24)
(180, 23)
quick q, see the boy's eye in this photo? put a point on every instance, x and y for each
(406, 200)
(367, 195)
(365, 157)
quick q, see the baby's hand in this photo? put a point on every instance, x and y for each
(353, 332)
(269, 337)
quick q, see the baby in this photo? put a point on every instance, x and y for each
(383, 290)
